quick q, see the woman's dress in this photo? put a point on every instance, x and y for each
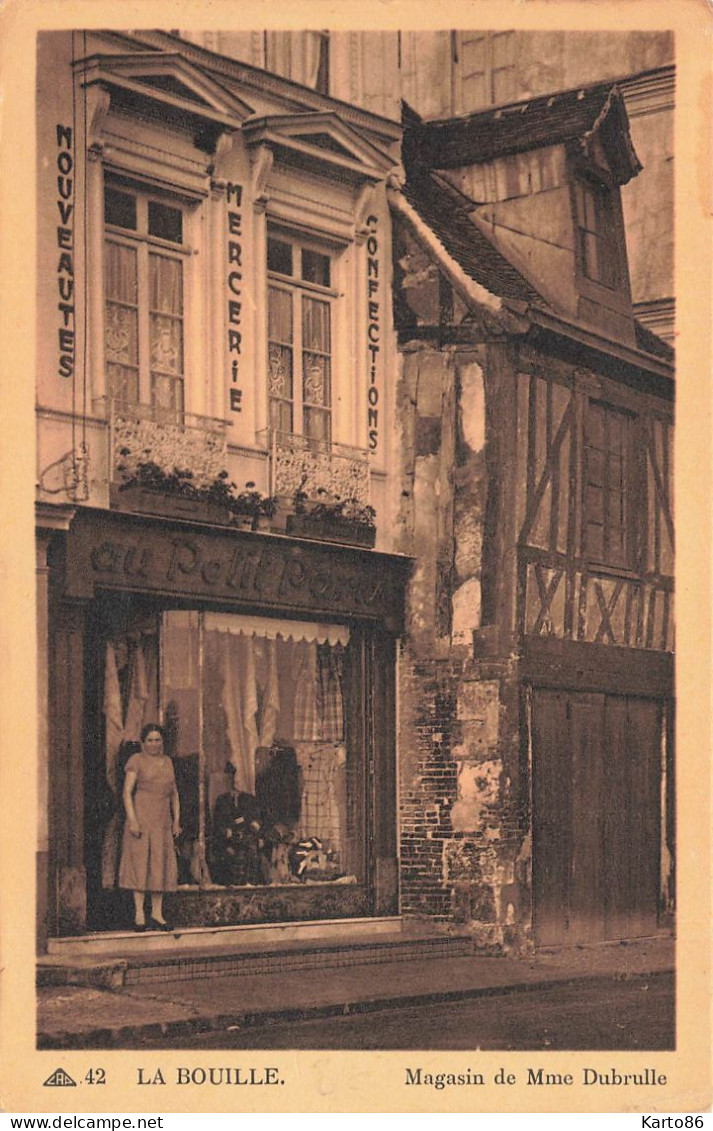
(148, 862)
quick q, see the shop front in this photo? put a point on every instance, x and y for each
(270, 664)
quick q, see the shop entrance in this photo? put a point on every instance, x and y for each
(271, 726)
(596, 774)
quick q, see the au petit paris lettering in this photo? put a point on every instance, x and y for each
(267, 573)
(109, 552)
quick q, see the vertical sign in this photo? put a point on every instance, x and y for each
(65, 244)
(373, 332)
(234, 196)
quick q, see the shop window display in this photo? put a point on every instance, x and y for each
(255, 721)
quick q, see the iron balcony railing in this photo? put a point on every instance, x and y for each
(317, 467)
(139, 433)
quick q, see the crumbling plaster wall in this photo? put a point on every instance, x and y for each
(462, 817)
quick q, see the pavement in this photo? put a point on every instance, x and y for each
(75, 1016)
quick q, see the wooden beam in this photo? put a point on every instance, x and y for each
(547, 662)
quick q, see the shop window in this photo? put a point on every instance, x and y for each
(300, 313)
(598, 232)
(255, 713)
(144, 283)
(608, 508)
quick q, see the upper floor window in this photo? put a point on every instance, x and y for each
(319, 61)
(302, 56)
(485, 68)
(598, 232)
(300, 329)
(144, 298)
(608, 504)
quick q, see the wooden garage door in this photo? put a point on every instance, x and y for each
(596, 816)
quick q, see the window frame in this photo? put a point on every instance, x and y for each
(592, 177)
(323, 77)
(490, 72)
(287, 53)
(630, 498)
(298, 290)
(356, 813)
(146, 244)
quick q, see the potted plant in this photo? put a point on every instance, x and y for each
(251, 502)
(332, 519)
(151, 489)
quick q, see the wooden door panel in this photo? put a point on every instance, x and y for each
(551, 815)
(596, 816)
(586, 881)
(617, 820)
(644, 759)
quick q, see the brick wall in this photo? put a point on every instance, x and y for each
(463, 790)
(463, 774)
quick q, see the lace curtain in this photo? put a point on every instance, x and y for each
(130, 698)
(136, 293)
(269, 672)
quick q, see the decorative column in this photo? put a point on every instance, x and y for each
(98, 102)
(216, 401)
(42, 872)
(262, 160)
(50, 519)
(358, 409)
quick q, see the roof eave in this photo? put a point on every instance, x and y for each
(646, 364)
(511, 312)
(612, 126)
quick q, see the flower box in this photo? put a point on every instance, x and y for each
(332, 529)
(142, 500)
(148, 488)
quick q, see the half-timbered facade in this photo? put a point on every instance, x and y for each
(537, 445)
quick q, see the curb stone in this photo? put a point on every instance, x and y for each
(104, 1037)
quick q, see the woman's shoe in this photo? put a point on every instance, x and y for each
(139, 927)
(154, 925)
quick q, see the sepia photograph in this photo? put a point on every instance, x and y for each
(354, 519)
(355, 414)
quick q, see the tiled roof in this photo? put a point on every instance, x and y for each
(545, 120)
(443, 209)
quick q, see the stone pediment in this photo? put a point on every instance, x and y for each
(165, 85)
(323, 142)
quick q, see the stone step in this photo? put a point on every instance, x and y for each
(298, 956)
(244, 959)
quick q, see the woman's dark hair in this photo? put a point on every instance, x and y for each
(146, 731)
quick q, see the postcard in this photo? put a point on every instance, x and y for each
(356, 696)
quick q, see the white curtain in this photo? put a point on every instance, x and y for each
(120, 726)
(250, 694)
(113, 719)
(241, 733)
(251, 701)
(306, 727)
(312, 41)
(138, 696)
(270, 628)
(270, 698)
(121, 330)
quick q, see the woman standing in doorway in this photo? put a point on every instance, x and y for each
(148, 855)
